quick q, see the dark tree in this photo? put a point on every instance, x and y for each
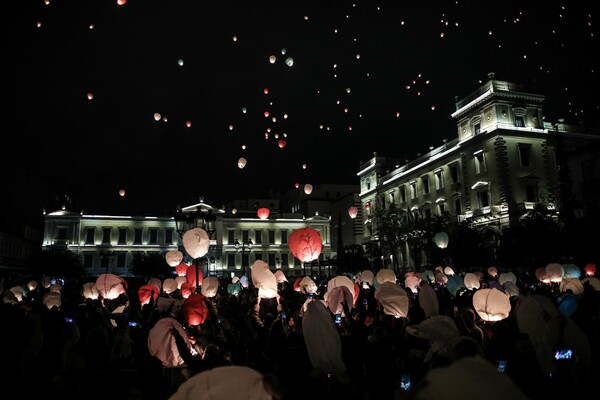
(151, 265)
(56, 261)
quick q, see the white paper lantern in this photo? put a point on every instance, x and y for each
(492, 271)
(471, 281)
(196, 242)
(367, 277)
(280, 276)
(210, 286)
(308, 188)
(353, 212)
(511, 289)
(572, 284)
(554, 272)
(428, 301)
(241, 163)
(334, 298)
(307, 285)
(169, 285)
(52, 299)
(448, 271)
(385, 275)
(441, 240)
(89, 291)
(18, 292)
(32, 285)
(110, 286)
(264, 280)
(506, 277)
(180, 281)
(174, 258)
(162, 344)
(412, 283)
(491, 304)
(393, 299)
(55, 288)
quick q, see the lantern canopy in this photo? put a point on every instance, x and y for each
(196, 242)
(52, 299)
(162, 343)
(174, 258)
(263, 213)
(280, 276)
(428, 301)
(191, 273)
(491, 304)
(441, 240)
(110, 286)
(264, 280)
(471, 281)
(146, 292)
(385, 275)
(195, 310)
(555, 272)
(241, 163)
(210, 286)
(308, 188)
(353, 212)
(305, 244)
(169, 285)
(89, 291)
(181, 269)
(393, 299)
(180, 280)
(590, 269)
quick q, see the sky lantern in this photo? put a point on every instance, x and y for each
(196, 242)
(303, 166)
(180, 62)
(188, 124)
(590, 269)
(281, 143)
(241, 163)
(157, 116)
(110, 286)
(296, 185)
(492, 271)
(264, 280)
(385, 275)
(491, 304)
(393, 299)
(289, 61)
(263, 213)
(353, 212)
(554, 272)
(266, 114)
(89, 291)
(244, 110)
(272, 59)
(305, 244)
(121, 2)
(191, 273)
(122, 192)
(280, 276)
(90, 95)
(169, 285)
(308, 188)
(235, 38)
(428, 301)
(181, 269)
(230, 127)
(52, 299)
(181, 280)
(174, 258)
(234, 211)
(471, 281)
(165, 119)
(441, 240)
(266, 90)
(162, 343)
(210, 286)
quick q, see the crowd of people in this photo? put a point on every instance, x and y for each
(292, 345)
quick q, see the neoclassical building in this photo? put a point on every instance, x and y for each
(504, 160)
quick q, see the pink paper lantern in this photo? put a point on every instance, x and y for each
(305, 244)
(353, 212)
(590, 269)
(110, 286)
(174, 258)
(196, 242)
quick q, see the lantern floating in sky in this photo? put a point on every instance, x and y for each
(244, 110)
(169, 285)
(353, 212)
(230, 127)
(157, 116)
(264, 280)
(89, 291)
(174, 258)
(308, 188)
(289, 61)
(121, 2)
(393, 299)
(188, 124)
(263, 213)
(181, 269)
(266, 114)
(281, 143)
(296, 185)
(441, 240)
(305, 244)
(90, 96)
(266, 91)
(180, 62)
(272, 59)
(210, 286)
(283, 51)
(122, 192)
(241, 163)
(235, 38)
(303, 166)
(554, 272)
(110, 286)
(234, 211)
(196, 242)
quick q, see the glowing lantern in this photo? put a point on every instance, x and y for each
(234, 289)
(412, 283)
(122, 192)
(195, 310)
(540, 274)
(181, 269)
(571, 271)
(46, 282)
(52, 299)
(210, 286)
(234, 211)
(180, 62)
(511, 289)
(18, 292)
(180, 280)
(306, 285)
(385, 275)
(454, 284)
(244, 110)
(441, 278)
(266, 114)
(281, 143)
(244, 281)
(169, 285)
(593, 281)
(305, 244)
(272, 59)
(303, 166)
(554, 272)
(90, 96)
(263, 213)
(308, 188)
(296, 185)
(393, 299)
(289, 61)
(428, 275)
(353, 212)
(89, 291)
(492, 271)
(156, 283)
(110, 286)
(264, 280)
(428, 301)
(590, 269)
(174, 258)
(367, 277)
(121, 2)
(32, 285)
(334, 298)
(448, 271)
(196, 242)
(341, 281)
(55, 288)
(191, 273)
(241, 163)
(147, 292)
(441, 240)
(188, 124)
(573, 284)
(491, 304)
(185, 290)
(280, 276)
(507, 276)
(471, 281)
(162, 343)
(266, 91)
(157, 116)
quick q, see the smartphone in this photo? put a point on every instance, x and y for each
(566, 354)
(282, 315)
(365, 302)
(501, 365)
(404, 382)
(69, 320)
(132, 323)
(338, 318)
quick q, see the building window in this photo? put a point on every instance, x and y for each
(457, 206)
(245, 236)
(524, 154)
(153, 235)
(477, 128)
(402, 191)
(62, 234)
(413, 190)
(454, 176)
(122, 236)
(479, 162)
(90, 234)
(531, 194)
(439, 183)
(88, 260)
(391, 197)
(427, 212)
(258, 256)
(121, 260)
(231, 236)
(284, 237)
(271, 260)
(258, 236)
(168, 236)
(231, 261)
(246, 259)
(284, 260)
(106, 235)
(441, 206)
(137, 236)
(368, 183)
(271, 236)
(483, 198)
(382, 201)
(297, 262)
(425, 181)
(519, 122)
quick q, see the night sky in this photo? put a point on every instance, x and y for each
(84, 79)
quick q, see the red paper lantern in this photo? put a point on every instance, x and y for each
(146, 292)
(590, 269)
(181, 269)
(190, 273)
(281, 143)
(306, 244)
(353, 212)
(263, 213)
(194, 310)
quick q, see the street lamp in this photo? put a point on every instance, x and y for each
(245, 244)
